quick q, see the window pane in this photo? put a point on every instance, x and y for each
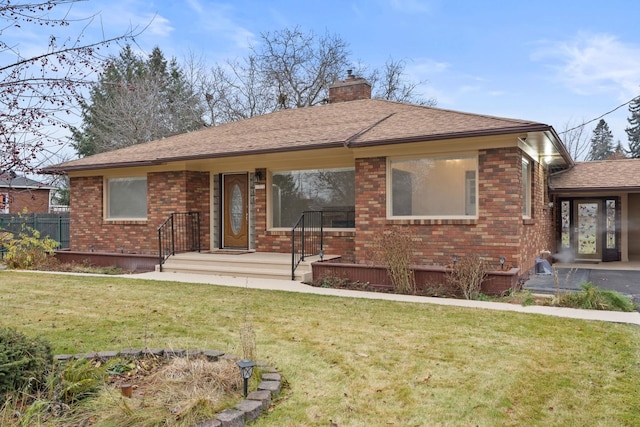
(127, 198)
(329, 190)
(434, 187)
(526, 188)
(611, 224)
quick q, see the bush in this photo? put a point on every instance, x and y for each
(593, 298)
(28, 251)
(467, 275)
(24, 362)
(396, 252)
(76, 380)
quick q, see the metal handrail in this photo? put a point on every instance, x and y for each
(307, 235)
(180, 232)
(306, 238)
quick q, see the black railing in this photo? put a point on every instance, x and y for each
(179, 233)
(307, 236)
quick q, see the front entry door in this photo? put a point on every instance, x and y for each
(590, 229)
(587, 230)
(235, 211)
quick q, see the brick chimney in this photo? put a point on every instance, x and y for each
(350, 89)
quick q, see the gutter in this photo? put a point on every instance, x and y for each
(455, 135)
(164, 160)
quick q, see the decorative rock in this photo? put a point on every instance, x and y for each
(262, 396)
(169, 354)
(271, 376)
(63, 357)
(130, 353)
(193, 354)
(107, 354)
(209, 423)
(156, 352)
(251, 408)
(272, 386)
(213, 355)
(231, 418)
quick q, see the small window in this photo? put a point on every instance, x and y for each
(127, 198)
(4, 203)
(433, 187)
(526, 188)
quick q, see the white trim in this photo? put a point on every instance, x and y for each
(449, 156)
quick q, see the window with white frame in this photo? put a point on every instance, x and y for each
(4, 203)
(331, 191)
(127, 198)
(526, 188)
(433, 187)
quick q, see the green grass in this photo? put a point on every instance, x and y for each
(356, 362)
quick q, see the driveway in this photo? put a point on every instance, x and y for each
(624, 281)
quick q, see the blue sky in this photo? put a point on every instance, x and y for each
(555, 62)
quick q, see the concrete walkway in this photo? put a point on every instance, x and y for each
(292, 286)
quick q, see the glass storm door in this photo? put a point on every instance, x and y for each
(235, 212)
(587, 231)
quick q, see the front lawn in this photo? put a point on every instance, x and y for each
(355, 362)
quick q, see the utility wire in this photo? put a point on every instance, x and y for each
(598, 118)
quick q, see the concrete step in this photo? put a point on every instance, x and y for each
(301, 274)
(267, 265)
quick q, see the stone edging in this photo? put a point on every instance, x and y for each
(245, 411)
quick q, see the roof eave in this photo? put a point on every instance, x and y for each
(164, 160)
(454, 135)
(592, 189)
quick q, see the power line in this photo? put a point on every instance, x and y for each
(598, 118)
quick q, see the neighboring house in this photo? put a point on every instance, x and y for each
(462, 183)
(598, 205)
(19, 194)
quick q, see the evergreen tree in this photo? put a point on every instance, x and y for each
(633, 131)
(619, 152)
(601, 142)
(135, 101)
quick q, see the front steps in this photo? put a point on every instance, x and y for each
(244, 264)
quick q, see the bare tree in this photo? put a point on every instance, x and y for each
(392, 84)
(299, 66)
(39, 92)
(575, 140)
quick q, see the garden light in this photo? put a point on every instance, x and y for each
(246, 370)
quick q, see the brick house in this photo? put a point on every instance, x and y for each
(461, 183)
(19, 194)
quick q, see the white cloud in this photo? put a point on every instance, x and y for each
(594, 63)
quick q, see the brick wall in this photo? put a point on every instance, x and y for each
(27, 200)
(538, 233)
(497, 232)
(167, 192)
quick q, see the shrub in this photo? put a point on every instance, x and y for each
(24, 362)
(28, 250)
(467, 275)
(593, 298)
(396, 252)
(76, 380)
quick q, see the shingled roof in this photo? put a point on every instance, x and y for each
(349, 124)
(607, 175)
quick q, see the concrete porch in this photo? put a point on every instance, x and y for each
(241, 264)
